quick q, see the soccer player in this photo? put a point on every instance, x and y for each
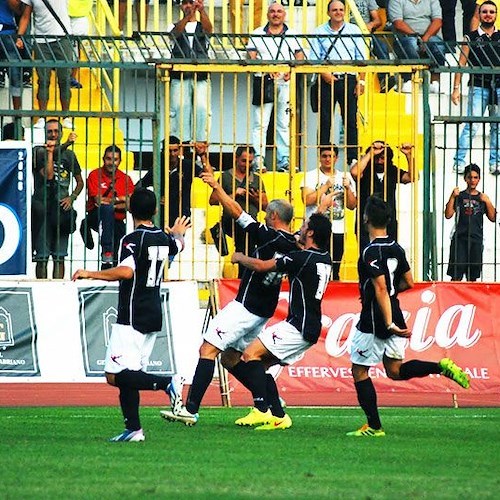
(143, 254)
(285, 343)
(381, 332)
(239, 322)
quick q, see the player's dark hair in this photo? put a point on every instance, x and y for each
(377, 212)
(282, 208)
(142, 204)
(322, 228)
(244, 149)
(11, 131)
(329, 149)
(112, 149)
(472, 167)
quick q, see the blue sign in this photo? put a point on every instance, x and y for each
(13, 211)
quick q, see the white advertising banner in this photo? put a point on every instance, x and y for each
(58, 331)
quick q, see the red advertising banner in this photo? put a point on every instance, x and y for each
(455, 320)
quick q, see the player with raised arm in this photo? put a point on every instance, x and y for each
(239, 322)
(142, 258)
(381, 333)
(284, 343)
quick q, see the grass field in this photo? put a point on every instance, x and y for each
(427, 453)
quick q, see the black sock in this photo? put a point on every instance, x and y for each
(201, 380)
(141, 380)
(240, 372)
(367, 398)
(273, 397)
(129, 402)
(257, 381)
(417, 368)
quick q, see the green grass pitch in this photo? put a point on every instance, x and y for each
(427, 453)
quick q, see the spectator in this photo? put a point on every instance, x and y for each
(416, 25)
(142, 21)
(273, 42)
(54, 45)
(12, 131)
(78, 11)
(368, 10)
(449, 9)
(8, 50)
(248, 190)
(376, 174)
(470, 206)
(53, 220)
(108, 191)
(182, 170)
(340, 191)
(189, 92)
(480, 51)
(475, 18)
(337, 87)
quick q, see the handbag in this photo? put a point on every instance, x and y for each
(64, 219)
(219, 238)
(263, 90)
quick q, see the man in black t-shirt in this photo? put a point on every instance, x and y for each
(239, 322)
(308, 272)
(143, 255)
(381, 332)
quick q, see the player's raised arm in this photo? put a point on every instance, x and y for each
(221, 196)
(257, 265)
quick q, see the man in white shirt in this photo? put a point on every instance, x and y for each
(190, 92)
(335, 190)
(273, 42)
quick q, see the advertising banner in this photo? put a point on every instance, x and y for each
(456, 320)
(18, 355)
(98, 313)
(13, 209)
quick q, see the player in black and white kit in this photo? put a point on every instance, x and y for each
(308, 271)
(381, 333)
(239, 322)
(142, 258)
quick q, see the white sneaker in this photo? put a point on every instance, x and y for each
(434, 88)
(406, 87)
(459, 169)
(40, 123)
(182, 415)
(174, 391)
(67, 122)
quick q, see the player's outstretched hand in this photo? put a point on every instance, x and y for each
(181, 225)
(236, 257)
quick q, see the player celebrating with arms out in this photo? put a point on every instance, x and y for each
(143, 254)
(381, 332)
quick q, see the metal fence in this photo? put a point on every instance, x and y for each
(126, 100)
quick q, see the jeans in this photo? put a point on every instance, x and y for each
(479, 99)
(62, 50)
(343, 92)
(261, 117)
(189, 100)
(8, 51)
(406, 47)
(111, 230)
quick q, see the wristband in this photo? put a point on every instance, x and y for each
(391, 326)
(456, 86)
(361, 82)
